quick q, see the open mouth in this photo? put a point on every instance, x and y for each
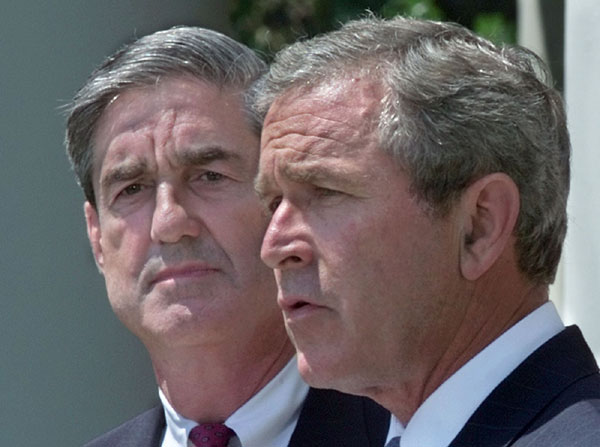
(299, 304)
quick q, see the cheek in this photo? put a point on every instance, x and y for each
(125, 246)
(114, 236)
(357, 250)
(238, 229)
(370, 264)
(354, 271)
(241, 226)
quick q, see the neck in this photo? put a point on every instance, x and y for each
(208, 385)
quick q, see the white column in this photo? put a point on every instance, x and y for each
(530, 27)
(581, 259)
(530, 34)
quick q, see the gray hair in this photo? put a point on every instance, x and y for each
(204, 54)
(455, 108)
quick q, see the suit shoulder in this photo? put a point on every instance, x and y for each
(143, 430)
(571, 419)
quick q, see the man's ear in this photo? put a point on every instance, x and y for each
(490, 208)
(94, 233)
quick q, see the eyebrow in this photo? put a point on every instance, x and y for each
(262, 186)
(189, 157)
(123, 172)
(205, 155)
(306, 173)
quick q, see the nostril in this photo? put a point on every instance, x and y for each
(295, 259)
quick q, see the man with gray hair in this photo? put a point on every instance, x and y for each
(166, 150)
(417, 178)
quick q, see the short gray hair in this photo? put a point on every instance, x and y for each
(204, 54)
(455, 108)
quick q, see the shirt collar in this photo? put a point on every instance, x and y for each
(450, 406)
(268, 419)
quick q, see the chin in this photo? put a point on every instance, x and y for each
(309, 375)
(327, 371)
(175, 325)
(317, 370)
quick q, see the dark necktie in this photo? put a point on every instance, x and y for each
(394, 442)
(211, 435)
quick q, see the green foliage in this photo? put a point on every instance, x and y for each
(268, 25)
(419, 9)
(495, 27)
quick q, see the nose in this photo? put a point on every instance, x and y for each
(286, 244)
(172, 218)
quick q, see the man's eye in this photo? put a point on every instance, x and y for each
(211, 176)
(273, 204)
(132, 189)
(324, 192)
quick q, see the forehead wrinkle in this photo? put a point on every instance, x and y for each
(312, 146)
(312, 126)
(357, 98)
(315, 135)
(321, 133)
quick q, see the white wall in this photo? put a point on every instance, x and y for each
(576, 290)
(68, 370)
(581, 261)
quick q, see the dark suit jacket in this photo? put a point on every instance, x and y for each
(551, 400)
(327, 419)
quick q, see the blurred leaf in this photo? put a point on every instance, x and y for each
(420, 9)
(268, 25)
(495, 27)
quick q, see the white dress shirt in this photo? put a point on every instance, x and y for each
(268, 419)
(445, 412)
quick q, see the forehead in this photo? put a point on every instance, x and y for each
(182, 109)
(334, 119)
(325, 136)
(341, 108)
(194, 100)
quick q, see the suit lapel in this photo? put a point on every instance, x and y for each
(329, 418)
(148, 430)
(145, 430)
(512, 406)
(156, 427)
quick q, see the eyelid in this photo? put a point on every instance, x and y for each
(204, 173)
(122, 189)
(324, 191)
(120, 194)
(125, 191)
(267, 199)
